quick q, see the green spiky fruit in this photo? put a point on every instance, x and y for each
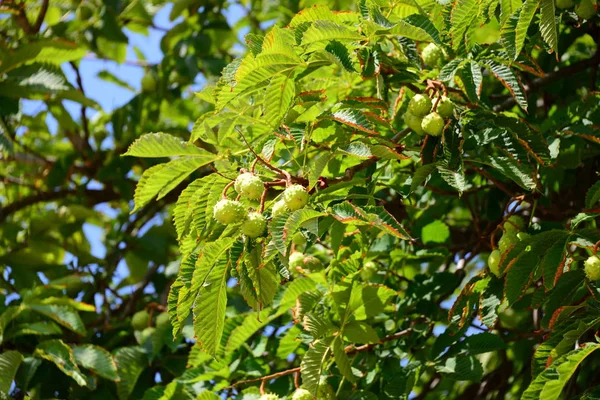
(433, 124)
(279, 208)
(390, 325)
(564, 4)
(431, 54)
(249, 185)
(494, 262)
(325, 391)
(368, 270)
(229, 211)
(269, 396)
(296, 260)
(445, 107)
(149, 82)
(586, 9)
(302, 394)
(419, 105)
(514, 223)
(507, 240)
(295, 197)
(414, 123)
(254, 225)
(591, 266)
(298, 239)
(162, 319)
(140, 320)
(312, 263)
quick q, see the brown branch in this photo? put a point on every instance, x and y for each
(40, 19)
(139, 289)
(350, 350)
(552, 77)
(93, 197)
(84, 119)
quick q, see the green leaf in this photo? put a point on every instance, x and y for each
(131, 362)
(36, 328)
(509, 80)
(6, 317)
(456, 179)
(63, 314)
(325, 31)
(549, 384)
(311, 367)
(209, 307)
(593, 195)
(60, 354)
(462, 368)
(253, 72)
(377, 217)
(263, 278)
(548, 26)
(112, 78)
(279, 97)
(360, 332)
(525, 17)
(96, 359)
(9, 364)
(562, 339)
(240, 334)
(522, 260)
(164, 145)
(450, 69)
(521, 174)
(43, 51)
(422, 22)
(340, 52)
(435, 232)
(464, 13)
(160, 179)
(355, 119)
(341, 359)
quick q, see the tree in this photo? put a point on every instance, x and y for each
(396, 200)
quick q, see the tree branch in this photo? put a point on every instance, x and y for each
(93, 196)
(551, 77)
(350, 350)
(40, 19)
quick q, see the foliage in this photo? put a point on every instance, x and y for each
(359, 268)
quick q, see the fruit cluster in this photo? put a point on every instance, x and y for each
(513, 233)
(422, 118)
(252, 187)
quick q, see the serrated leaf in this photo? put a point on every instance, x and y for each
(46, 328)
(522, 260)
(43, 51)
(96, 359)
(548, 26)
(355, 119)
(209, 307)
(462, 368)
(63, 314)
(549, 384)
(422, 22)
(341, 54)
(326, 31)
(464, 13)
(510, 81)
(60, 354)
(521, 174)
(526, 14)
(9, 364)
(449, 70)
(456, 179)
(377, 217)
(341, 359)
(6, 317)
(360, 332)
(253, 72)
(311, 367)
(593, 195)
(279, 97)
(160, 179)
(164, 145)
(131, 362)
